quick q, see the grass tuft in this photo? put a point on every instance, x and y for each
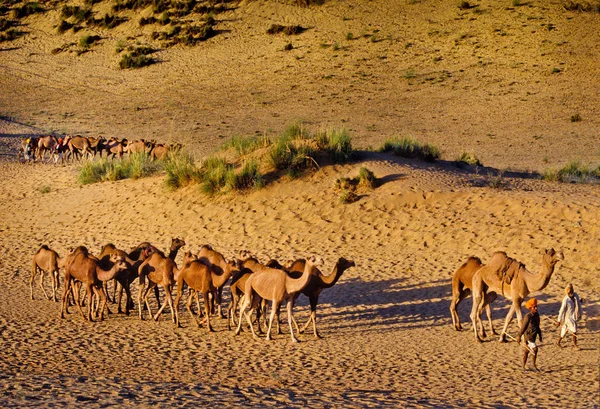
(181, 171)
(469, 158)
(337, 142)
(409, 147)
(573, 172)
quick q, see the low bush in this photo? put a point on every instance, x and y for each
(244, 145)
(408, 147)
(469, 158)
(181, 171)
(337, 142)
(573, 172)
(137, 166)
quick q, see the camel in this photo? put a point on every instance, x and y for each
(276, 286)
(127, 276)
(462, 281)
(46, 261)
(78, 146)
(317, 283)
(220, 266)
(47, 143)
(514, 283)
(202, 279)
(160, 270)
(115, 147)
(89, 271)
(96, 145)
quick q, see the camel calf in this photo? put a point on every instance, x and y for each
(45, 261)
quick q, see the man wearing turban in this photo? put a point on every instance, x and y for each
(530, 330)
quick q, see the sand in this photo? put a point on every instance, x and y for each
(387, 334)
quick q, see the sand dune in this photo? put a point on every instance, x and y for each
(386, 325)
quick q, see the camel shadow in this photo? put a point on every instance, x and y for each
(382, 305)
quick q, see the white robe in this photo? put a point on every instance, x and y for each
(570, 312)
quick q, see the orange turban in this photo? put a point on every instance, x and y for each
(531, 303)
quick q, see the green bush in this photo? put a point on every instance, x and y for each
(137, 57)
(409, 147)
(137, 166)
(573, 172)
(249, 177)
(366, 178)
(337, 142)
(181, 171)
(244, 145)
(215, 172)
(468, 158)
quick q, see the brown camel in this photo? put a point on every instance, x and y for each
(159, 270)
(45, 261)
(126, 277)
(317, 283)
(78, 146)
(276, 286)
(462, 281)
(220, 266)
(47, 143)
(202, 279)
(89, 271)
(514, 283)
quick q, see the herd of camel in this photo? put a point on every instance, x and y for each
(252, 284)
(55, 149)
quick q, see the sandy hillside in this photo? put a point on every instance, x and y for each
(478, 79)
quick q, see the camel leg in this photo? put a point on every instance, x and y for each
(188, 305)
(290, 306)
(177, 299)
(90, 292)
(313, 316)
(54, 284)
(33, 273)
(168, 301)
(274, 311)
(142, 284)
(457, 298)
(118, 295)
(65, 297)
(43, 273)
(519, 313)
(507, 321)
(475, 311)
(208, 312)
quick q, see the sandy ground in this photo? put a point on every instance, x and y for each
(463, 80)
(387, 331)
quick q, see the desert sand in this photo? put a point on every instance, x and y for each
(387, 334)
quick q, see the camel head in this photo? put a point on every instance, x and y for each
(177, 243)
(188, 257)
(344, 264)
(119, 262)
(551, 257)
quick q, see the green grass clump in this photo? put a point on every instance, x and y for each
(244, 145)
(248, 177)
(469, 158)
(45, 189)
(573, 172)
(137, 57)
(137, 166)
(290, 157)
(87, 40)
(27, 9)
(409, 147)
(337, 142)
(214, 174)
(348, 196)
(366, 178)
(181, 171)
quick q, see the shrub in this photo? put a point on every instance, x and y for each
(409, 147)
(87, 40)
(137, 57)
(287, 30)
(249, 177)
(134, 167)
(246, 144)
(348, 196)
(295, 131)
(181, 171)
(214, 174)
(45, 189)
(337, 142)
(469, 158)
(27, 9)
(366, 178)
(573, 172)
(496, 181)
(575, 118)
